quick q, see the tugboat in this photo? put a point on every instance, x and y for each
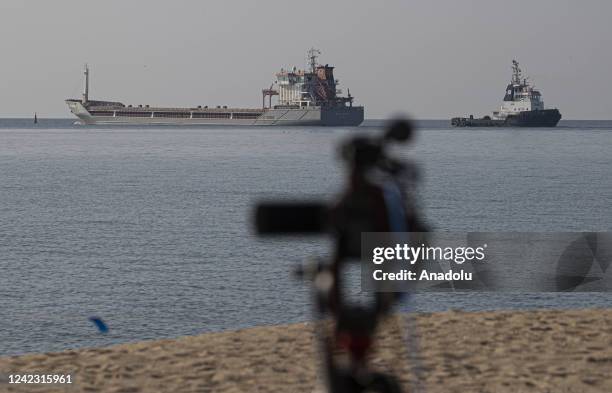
(522, 107)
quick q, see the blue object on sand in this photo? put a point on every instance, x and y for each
(100, 324)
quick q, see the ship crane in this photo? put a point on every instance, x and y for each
(268, 93)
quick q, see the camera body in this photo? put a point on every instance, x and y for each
(286, 218)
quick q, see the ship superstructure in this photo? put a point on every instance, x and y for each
(315, 87)
(522, 106)
(308, 97)
(520, 96)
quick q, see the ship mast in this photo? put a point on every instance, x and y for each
(516, 73)
(312, 56)
(86, 92)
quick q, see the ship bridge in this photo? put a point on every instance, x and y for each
(520, 96)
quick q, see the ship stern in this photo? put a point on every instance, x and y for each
(342, 116)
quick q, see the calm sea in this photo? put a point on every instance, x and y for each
(150, 229)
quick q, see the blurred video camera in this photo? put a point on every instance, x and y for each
(378, 196)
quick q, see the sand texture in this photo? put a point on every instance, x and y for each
(539, 351)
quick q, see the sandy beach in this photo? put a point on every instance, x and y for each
(534, 351)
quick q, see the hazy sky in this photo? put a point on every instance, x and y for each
(430, 58)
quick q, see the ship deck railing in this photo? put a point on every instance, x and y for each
(162, 109)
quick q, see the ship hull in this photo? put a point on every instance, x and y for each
(539, 118)
(536, 118)
(310, 116)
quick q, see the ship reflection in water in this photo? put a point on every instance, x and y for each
(522, 107)
(305, 98)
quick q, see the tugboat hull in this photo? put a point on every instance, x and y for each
(536, 118)
(539, 118)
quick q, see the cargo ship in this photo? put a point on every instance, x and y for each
(522, 107)
(304, 98)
